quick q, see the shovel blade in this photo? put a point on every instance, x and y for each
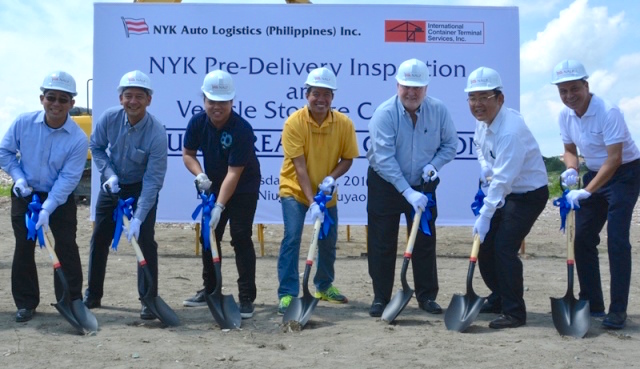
(462, 311)
(571, 317)
(161, 310)
(84, 316)
(224, 310)
(396, 305)
(300, 310)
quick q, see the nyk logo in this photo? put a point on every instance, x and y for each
(135, 26)
(404, 31)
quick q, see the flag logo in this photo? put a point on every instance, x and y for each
(404, 31)
(135, 26)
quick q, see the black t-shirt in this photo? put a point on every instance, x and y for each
(230, 146)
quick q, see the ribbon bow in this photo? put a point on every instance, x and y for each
(565, 207)
(206, 207)
(426, 215)
(321, 199)
(478, 201)
(31, 219)
(124, 208)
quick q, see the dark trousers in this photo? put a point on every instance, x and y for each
(613, 203)
(103, 236)
(63, 224)
(385, 205)
(498, 260)
(239, 212)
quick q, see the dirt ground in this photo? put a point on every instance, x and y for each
(336, 335)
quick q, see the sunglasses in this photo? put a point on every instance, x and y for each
(53, 99)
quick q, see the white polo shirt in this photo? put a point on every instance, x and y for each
(602, 125)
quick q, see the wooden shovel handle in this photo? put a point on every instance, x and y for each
(134, 242)
(570, 228)
(52, 252)
(475, 248)
(314, 241)
(414, 233)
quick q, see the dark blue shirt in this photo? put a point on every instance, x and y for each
(230, 146)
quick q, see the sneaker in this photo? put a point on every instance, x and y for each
(284, 304)
(246, 309)
(332, 294)
(197, 300)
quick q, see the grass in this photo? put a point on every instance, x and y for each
(554, 185)
(5, 190)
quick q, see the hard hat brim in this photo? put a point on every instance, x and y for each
(482, 88)
(569, 79)
(412, 83)
(219, 97)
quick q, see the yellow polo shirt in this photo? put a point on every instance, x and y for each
(322, 146)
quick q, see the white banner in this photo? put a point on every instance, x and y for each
(270, 49)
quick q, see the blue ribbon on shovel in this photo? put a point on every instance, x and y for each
(206, 207)
(124, 207)
(31, 219)
(426, 215)
(321, 199)
(565, 207)
(478, 201)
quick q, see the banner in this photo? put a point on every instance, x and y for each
(270, 49)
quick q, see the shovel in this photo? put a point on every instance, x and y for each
(401, 299)
(300, 309)
(570, 316)
(223, 307)
(463, 310)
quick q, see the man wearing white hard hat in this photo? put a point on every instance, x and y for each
(412, 138)
(129, 148)
(597, 129)
(319, 146)
(52, 154)
(516, 194)
(232, 174)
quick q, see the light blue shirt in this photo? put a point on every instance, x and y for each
(136, 154)
(399, 151)
(51, 160)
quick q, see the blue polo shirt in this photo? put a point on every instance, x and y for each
(230, 146)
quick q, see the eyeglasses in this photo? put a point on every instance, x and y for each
(53, 99)
(481, 100)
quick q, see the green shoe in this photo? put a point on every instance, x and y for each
(332, 294)
(284, 304)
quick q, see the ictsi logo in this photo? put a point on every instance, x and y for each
(404, 31)
(135, 26)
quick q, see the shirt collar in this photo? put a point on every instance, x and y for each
(66, 126)
(140, 125)
(497, 121)
(326, 122)
(401, 107)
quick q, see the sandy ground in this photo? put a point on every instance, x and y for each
(336, 335)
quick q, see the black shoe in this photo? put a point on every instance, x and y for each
(146, 314)
(614, 320)
(506, 321)
(491, 308)
(246, 309)
(91, 303)
(24, 315)
(197, 300)
(377, 308)
(430, 307)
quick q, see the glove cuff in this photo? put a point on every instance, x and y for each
(219, 205)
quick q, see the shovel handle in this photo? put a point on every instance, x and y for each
(571, 235)
(52, 252)
(314, 241)
(134, 242)
(474, 249)
(414, 232)
(214, 246)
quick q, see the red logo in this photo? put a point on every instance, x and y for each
(133, 26)
(404, 31)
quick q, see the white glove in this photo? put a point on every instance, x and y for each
(416, 199)
(327, 184)
(112, 183)
(203, 182)
(316, 213)
(574, 197)
(134, 229)
(24, 188)
(481, 227)
(43, 220)
(215, 215)
(569, 177)
(429, 173)
(485, 174)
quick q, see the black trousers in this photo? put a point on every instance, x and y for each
(63, 224)
(498, 260)
(385, 205)
(239, 212)
(103, 236)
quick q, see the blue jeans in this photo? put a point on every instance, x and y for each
(293, 214)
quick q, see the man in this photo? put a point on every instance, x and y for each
(611, 186)
(135, 166)
(412, 138)
(45, 152)
(232, 174)
(517, 193)
(319, 146)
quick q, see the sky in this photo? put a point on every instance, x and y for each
(40, 36)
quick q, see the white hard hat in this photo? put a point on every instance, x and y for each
(414, 73)
(218, 86)
(135, 79)
(322, 77)
(568, 70)
(483, 79)
(60, 81)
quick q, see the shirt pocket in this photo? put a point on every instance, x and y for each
(139, 156)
